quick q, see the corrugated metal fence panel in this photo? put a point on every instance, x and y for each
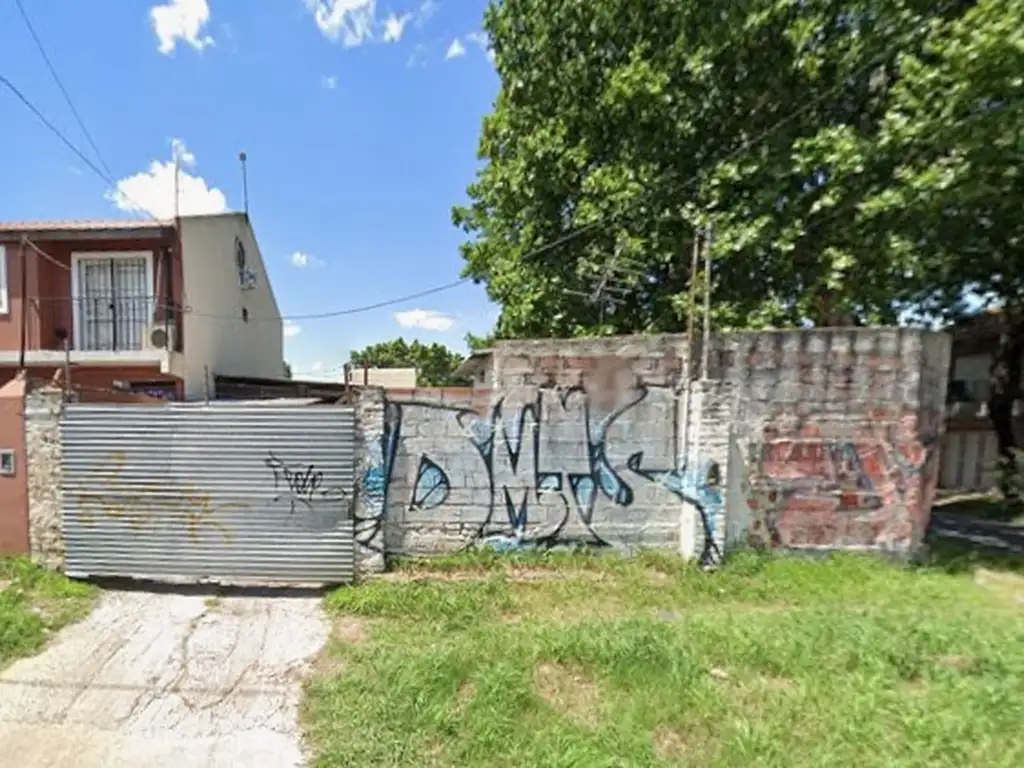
(969, 460)
(224, 492)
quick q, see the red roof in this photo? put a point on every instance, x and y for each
(83, 225)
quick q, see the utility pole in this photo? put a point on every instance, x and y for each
(706, 346)
(691, 320)
(690, 333)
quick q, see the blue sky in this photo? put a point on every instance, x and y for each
(360, 120)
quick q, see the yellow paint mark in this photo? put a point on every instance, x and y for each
(197, 507)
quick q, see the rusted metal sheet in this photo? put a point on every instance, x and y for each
(226, 492)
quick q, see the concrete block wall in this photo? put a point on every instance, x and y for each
(591, 444)
(837, 438)
(794, 440)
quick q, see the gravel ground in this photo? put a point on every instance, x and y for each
(157, 680)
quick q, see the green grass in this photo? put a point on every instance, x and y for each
(34, 603)
(587, 660)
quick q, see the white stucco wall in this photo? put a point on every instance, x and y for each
(215, 334)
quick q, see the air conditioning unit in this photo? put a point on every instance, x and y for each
(162, 337)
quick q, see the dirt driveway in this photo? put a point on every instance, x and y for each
(165, 680)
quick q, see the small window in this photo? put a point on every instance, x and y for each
(3, 280)
(6, 462)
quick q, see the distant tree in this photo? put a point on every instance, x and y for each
(287, 370)
(477, 343)
(435, 363)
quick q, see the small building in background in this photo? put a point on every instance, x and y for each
(477, 368)
(388, 378)
(970, 451)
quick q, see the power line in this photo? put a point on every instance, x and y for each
(601, 223)
(60, 85)
(315, 316)
(39, 251)
(54, 129)
(341, 312)
(108, 178)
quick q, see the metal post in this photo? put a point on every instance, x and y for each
(206, 384)
(242, 158)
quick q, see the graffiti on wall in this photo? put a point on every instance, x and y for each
(538, 467)
(866, 487)
(111, 496)
(299, 483)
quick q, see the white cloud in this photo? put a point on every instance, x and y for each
(291, 329)
(354, 22)
(180, 20)
(455, 50)
(318, 365)
(394, 26)
(152, 191)
(348, 21)
(426, 319)
(305, 260)
(427, 10)
(330, 82)
(483, 42)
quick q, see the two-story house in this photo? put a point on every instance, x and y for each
(160, 307)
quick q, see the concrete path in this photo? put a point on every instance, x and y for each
(153, 680)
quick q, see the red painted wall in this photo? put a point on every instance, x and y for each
(48, 284)
(13, 489)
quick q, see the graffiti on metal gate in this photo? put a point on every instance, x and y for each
(299, 483)
(112, 497)
(557, 465)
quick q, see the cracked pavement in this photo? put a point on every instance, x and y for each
(165, 680)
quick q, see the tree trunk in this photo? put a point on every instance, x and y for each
(1004, 383)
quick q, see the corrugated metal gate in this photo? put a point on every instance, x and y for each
(227, 492)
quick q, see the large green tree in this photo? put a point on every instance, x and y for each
(622, 126)
(435, 363)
